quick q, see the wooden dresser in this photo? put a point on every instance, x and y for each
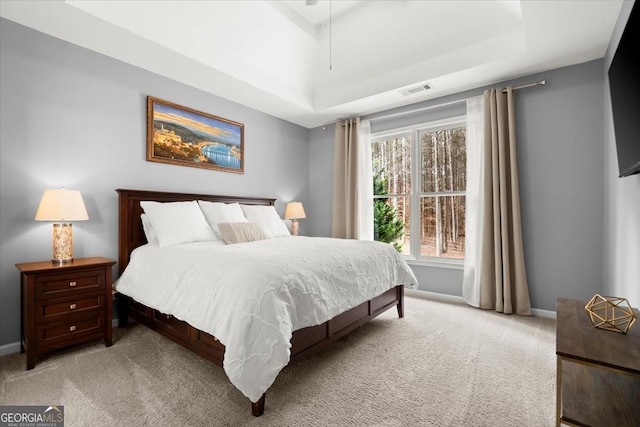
(64, 304)
(598, 371)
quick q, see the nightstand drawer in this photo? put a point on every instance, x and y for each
(60, 285)
(52, 311)
(71, 331)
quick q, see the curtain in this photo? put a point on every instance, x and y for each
(473, 213)
(352, 181)
(494, 273)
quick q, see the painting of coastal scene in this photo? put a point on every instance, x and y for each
(183, 136)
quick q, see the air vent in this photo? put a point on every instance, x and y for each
(416, 89)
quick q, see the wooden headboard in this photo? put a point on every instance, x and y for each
(130, 232)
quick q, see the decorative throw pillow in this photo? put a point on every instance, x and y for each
(177, 222)
(239, 232)
(216, 212)
(149, 232)
(268, 219)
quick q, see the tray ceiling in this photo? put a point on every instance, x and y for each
(314, 63)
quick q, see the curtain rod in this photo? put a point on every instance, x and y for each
(540, 83)
(445, 104)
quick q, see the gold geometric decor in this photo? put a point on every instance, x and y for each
(610, 313)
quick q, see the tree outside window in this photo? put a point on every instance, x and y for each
(386, 225)
(434, 156)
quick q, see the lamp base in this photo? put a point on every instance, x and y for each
(294, 227)
(62, 243)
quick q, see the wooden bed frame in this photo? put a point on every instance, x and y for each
(304, 341)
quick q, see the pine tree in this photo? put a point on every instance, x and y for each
(386, 225)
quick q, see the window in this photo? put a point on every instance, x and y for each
(424, 220)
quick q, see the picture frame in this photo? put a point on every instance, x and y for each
(183, 136)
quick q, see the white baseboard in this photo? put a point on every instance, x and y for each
(543, 313)
(433, 296)
(457, 299)
(13, 347)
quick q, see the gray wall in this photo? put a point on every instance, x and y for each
(74, 118)
(560, 153)
(621, 202)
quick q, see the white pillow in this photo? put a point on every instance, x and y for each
(216, 213)
(149, 232)
(268, 219)
(178, 222)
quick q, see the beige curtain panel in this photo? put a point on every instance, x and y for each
(503, 282)
(495, 275)
(352, 181)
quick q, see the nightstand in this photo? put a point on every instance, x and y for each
(64, 304)
(598, 371)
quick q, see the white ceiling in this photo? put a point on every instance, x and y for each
(291, 60)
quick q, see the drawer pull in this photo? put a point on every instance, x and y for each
(72, 284)
(72, 307)
(72, 328)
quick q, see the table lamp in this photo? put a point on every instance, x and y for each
(294, 212)
(62, 206)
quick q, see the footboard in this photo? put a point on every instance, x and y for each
(304, 342)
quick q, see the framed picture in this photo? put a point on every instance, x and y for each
(186, 137)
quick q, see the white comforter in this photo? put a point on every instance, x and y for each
(252, 296)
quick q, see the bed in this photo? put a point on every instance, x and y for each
(182, 326)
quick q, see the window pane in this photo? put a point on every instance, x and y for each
(444, 160)
(392, 165)
(442, 226)
(391, 222)
(441, 163)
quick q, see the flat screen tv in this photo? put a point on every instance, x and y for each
(624, 84)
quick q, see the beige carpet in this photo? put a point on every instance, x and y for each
(444, 364)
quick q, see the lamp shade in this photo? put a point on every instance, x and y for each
(61, 205)
(294, 210)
